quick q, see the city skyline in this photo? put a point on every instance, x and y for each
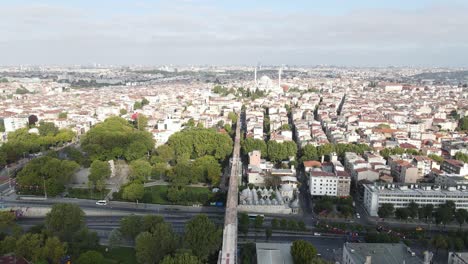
(361, 33)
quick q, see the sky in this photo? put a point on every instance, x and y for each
(241, 32)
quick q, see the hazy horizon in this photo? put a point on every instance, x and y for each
(206, 32)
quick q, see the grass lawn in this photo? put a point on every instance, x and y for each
(87, 193)
(157, 194)
(121, 255)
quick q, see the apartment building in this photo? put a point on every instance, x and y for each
(326, 182)
(400, 195)
(455, 167)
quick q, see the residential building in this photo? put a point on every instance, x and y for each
(455, 167)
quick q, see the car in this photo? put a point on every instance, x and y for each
(317, 234)
(358, 216)
(101, 202)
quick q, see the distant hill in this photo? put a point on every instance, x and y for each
(461, 76)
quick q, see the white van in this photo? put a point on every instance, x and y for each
(101, 202)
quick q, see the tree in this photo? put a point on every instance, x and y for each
(195, 142)
(63, 115)
(268, 233)
(309, 152)
(302, 252)
(28, 246)
(7, 220)
(152, 247)
(164, 153)
(140, 170)
(134, 191)
(141, 122)
(251, 144)
(244, 223)
(115, 238)
(444, 214)
(137, 105)
(47, 129)
(463, 123)
(99, 172)
(32, 120)
(130, 226)
(64, 220)
(428, 209)
(292, 225)
(53, 250)
(385, 210)
(207, 169)
(461, 156)
(402, 213)
(439, 242)
(258, 223)
(274, 223)
(116, 138)
(412, 209)
(183, 258)
(7, 245)
(82, 241)
(202, 236)
(233, 117)
(461, 215)
(283, 223)
(436, 158)
(144, 101)
(51, 172)
(90, 257)
(123, 111)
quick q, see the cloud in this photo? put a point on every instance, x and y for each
(200, 32)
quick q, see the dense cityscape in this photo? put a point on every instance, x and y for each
(234, 132)
(303, 164)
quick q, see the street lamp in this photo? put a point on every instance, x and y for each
(45, 190)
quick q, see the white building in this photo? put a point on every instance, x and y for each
(14, 123)
(400, 195)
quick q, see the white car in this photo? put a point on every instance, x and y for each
(101, 202)
(317, 234)
(358, 216)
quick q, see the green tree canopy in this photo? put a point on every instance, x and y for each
(116, 138)
(90, 257)
(152, 247)
(140, 170)
(281, 151)
(194, 143)
(99, 172)
(202, 236)
(251, 144)
(134, 191)
(461, 156)
(207, 169)
(303, 252)
(64, 220)
(51, 172)
(386, 210)
(182, 258)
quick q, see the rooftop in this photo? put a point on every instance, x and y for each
(382, 253)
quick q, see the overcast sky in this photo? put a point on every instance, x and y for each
(294, 32)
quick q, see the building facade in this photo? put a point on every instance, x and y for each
(400, 195)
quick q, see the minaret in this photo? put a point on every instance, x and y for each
(279, 78)
(255, 74)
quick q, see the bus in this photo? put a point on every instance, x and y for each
(253, 216)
